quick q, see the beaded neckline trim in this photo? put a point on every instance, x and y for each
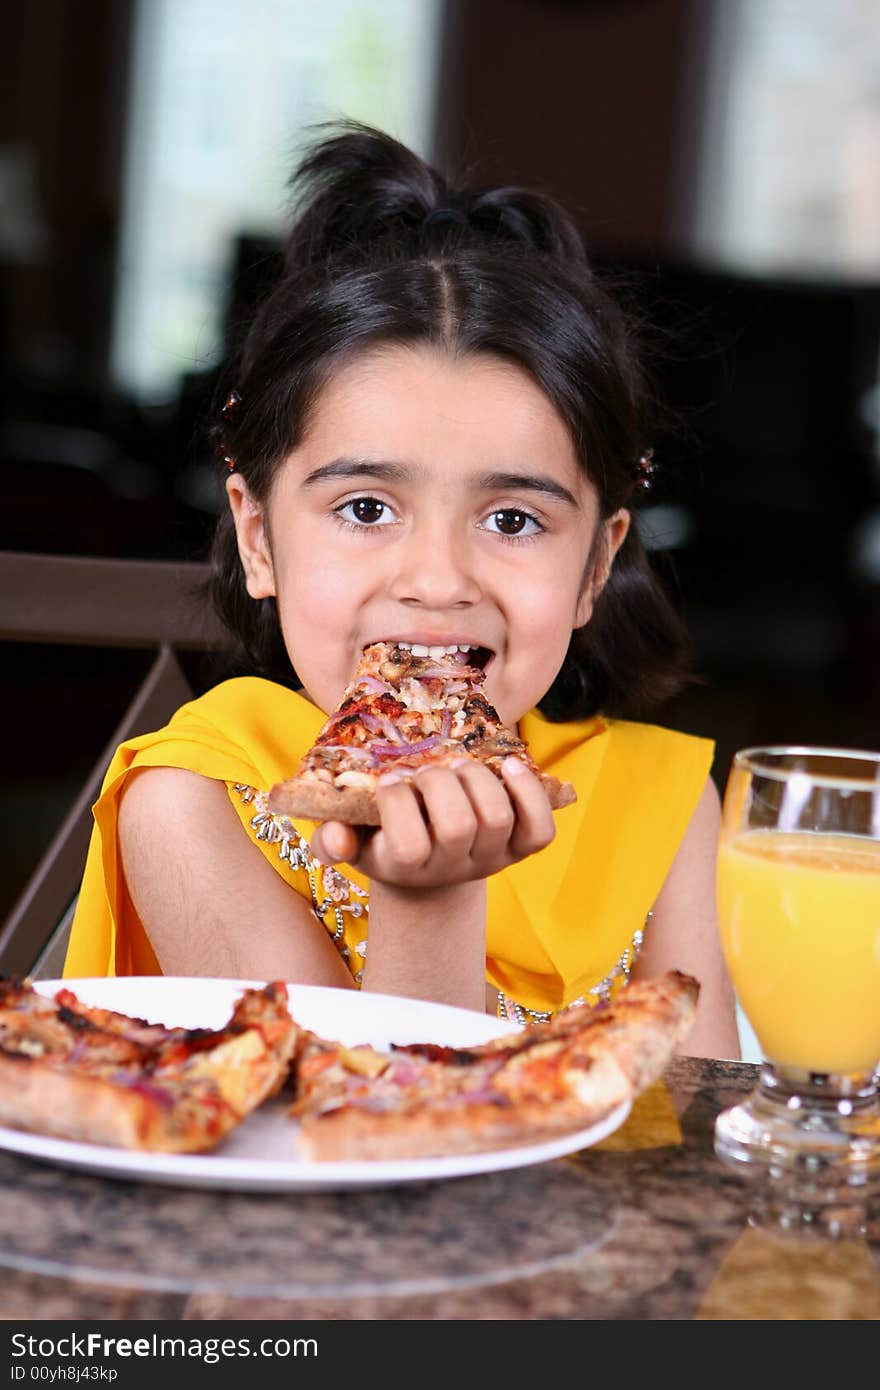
(328, 888)
(617, 976)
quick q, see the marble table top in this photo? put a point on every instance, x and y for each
(647, 1224)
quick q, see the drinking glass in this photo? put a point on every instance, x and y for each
(799, 911)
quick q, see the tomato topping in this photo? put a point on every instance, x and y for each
(344, 727)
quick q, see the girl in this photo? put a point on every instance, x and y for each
(436, 435)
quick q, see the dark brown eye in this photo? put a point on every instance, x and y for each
(510, 522)
(367, 509)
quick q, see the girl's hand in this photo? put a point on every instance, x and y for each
(447, 825)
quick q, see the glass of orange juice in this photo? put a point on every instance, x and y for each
(799, 911)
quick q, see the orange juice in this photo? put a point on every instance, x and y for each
(800, 926)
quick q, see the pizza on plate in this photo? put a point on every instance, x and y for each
(424, 1100)
(406, 708)
(78, 1072)
(82, 1073)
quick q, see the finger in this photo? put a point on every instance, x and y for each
(405, 839)
(535, 826)
(452, 818)
(334, 842)
(492, 806)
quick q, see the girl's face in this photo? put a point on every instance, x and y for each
(434, 500)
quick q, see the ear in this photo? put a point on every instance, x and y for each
(606, 546)
(253, 539)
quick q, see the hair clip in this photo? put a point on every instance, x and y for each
(231, 406)
(646, 471)
(445, 216)
(226, 459)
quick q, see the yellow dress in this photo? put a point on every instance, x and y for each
(562, 925)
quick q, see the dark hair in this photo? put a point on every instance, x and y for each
(384, 250)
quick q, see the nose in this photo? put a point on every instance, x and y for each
(435, 569)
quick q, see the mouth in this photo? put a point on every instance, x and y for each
(462, 653)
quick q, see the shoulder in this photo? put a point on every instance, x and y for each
(664, 759)
(242, 730)
(618, 745)
(238, 702)
(664, 772)
(658, 741)
(174, 798)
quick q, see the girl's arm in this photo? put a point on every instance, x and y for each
(428, 944)
(683, 934)
(209, 901)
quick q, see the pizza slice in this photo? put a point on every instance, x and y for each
(424, 1100)
(407, 707)
(77, 1072)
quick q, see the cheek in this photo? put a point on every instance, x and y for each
(313, 584)
(330, 587)
(546, 608)
(317, 600)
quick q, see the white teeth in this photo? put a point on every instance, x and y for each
(419, 649)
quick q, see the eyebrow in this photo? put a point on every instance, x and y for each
(357, 468)
(387, 471)
(531, 482)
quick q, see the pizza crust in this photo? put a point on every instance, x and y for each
(304, 798)
(344, 1135)
(67, 1104)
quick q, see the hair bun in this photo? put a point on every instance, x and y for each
(358, 188)
(355, 188)
(531, 219)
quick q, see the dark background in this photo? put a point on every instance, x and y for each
(597, 101)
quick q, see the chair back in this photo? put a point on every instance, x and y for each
(82, 601)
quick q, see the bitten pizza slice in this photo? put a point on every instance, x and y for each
(88, 1074)
(403, 711)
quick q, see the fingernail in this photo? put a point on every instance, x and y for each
(514, 765)
(389, 778)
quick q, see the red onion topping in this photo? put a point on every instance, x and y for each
(378, 687)
(373, 723)
(148, 1089)
(404, 1074)
(402, 750)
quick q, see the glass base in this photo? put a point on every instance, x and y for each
(822, 1130)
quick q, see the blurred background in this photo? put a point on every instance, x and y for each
(723, 159)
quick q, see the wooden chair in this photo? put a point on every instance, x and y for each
(80, 601)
